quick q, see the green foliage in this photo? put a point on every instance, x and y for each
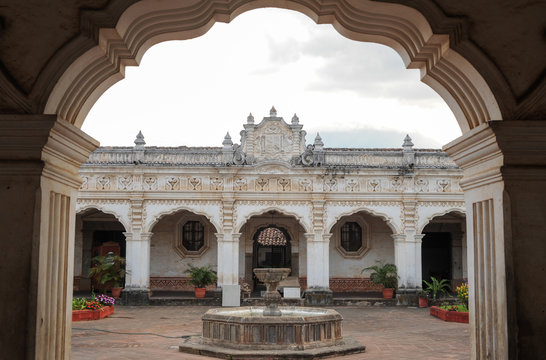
(201, 276)
(436, 287)
(108, 270)
(460, 308)
(79, 303)
(384, 274)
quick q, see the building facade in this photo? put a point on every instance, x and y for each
(340, 210)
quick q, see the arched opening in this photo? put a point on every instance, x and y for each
(272, 239)
(443, 249)
(452, 76)
(178, 240)
(96, 234)
(358, 241)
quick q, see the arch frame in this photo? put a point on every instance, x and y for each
(402, 28)
(241, 222)
(154, 219)
(389, 221)
(101, 207)
(421, 226)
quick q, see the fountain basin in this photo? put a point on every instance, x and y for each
(297, 328)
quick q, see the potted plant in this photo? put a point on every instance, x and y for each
(109, 271)
(436, 287)
(200, 277)
(423, 298)
(386, 275)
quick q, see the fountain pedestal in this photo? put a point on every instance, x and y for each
(272, 277)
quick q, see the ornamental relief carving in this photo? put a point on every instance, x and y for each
(443, 185)
(216, 183)
(195, 183)
(172, 183)
(374, 185)
(85, 183)
(330, 184)
(150, 183)
(352, 185)
(241, 184)
(306, 185)
(262, 184)
(103, 183)
(283, 184)
(125, 182)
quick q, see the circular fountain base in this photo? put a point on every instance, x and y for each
(246, 333)
(297, 328)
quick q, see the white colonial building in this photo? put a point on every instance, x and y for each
(339, 209)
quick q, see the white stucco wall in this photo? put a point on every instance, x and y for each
(165, 261)
(381, 247)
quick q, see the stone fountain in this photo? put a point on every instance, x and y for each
(273, 331)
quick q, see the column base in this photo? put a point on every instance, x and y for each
(408, 297)
(318, 296)
(135, 297)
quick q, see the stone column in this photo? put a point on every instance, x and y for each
(137, 279)
(407, 258)
(504, 165)
(318, 269)
(228, 259)
(39, 162)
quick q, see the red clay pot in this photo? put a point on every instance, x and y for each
(200, 292)
(423, 301)
(116, 292)
(388, 293)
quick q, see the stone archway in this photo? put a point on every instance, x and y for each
(503, 162)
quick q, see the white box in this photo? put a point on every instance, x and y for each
(231, 295)
(291, 293)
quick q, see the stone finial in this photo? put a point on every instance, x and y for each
(250, 119)
(139, 141)
(227, 140)
(318, 142)
(295, 119)
(407, 145)
(273, 111)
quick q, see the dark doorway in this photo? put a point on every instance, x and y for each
(436, 255)
(270, 253)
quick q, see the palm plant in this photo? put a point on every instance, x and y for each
(383, 274)
(201, 276)
(108, 270)
(436, 286)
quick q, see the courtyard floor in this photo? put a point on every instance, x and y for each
(154, 332)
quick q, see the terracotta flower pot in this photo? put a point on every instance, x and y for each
(200, 292)
(388, 293)
(423, 301)
(116, 292)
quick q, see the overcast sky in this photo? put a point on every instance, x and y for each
(192, 92)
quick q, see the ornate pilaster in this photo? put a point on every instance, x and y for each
(228, 246)
(504, 184)
(39, 162)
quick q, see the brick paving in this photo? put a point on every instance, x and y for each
(154, 332)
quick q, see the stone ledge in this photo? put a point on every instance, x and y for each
(193, 345)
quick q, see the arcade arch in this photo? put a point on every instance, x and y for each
(376, 244)
(179, 239)
(96, 234)
(254, 253)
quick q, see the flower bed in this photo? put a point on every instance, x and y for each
(98, 307)
(451, 316)
(84, 315)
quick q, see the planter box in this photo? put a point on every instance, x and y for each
(451, 316)
(84, 315)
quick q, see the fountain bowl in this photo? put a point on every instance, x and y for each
(297, 328)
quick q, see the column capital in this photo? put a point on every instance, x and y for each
(138, 236)
(41, 144)
(403, 238)
(228, 237)
(500, 150)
